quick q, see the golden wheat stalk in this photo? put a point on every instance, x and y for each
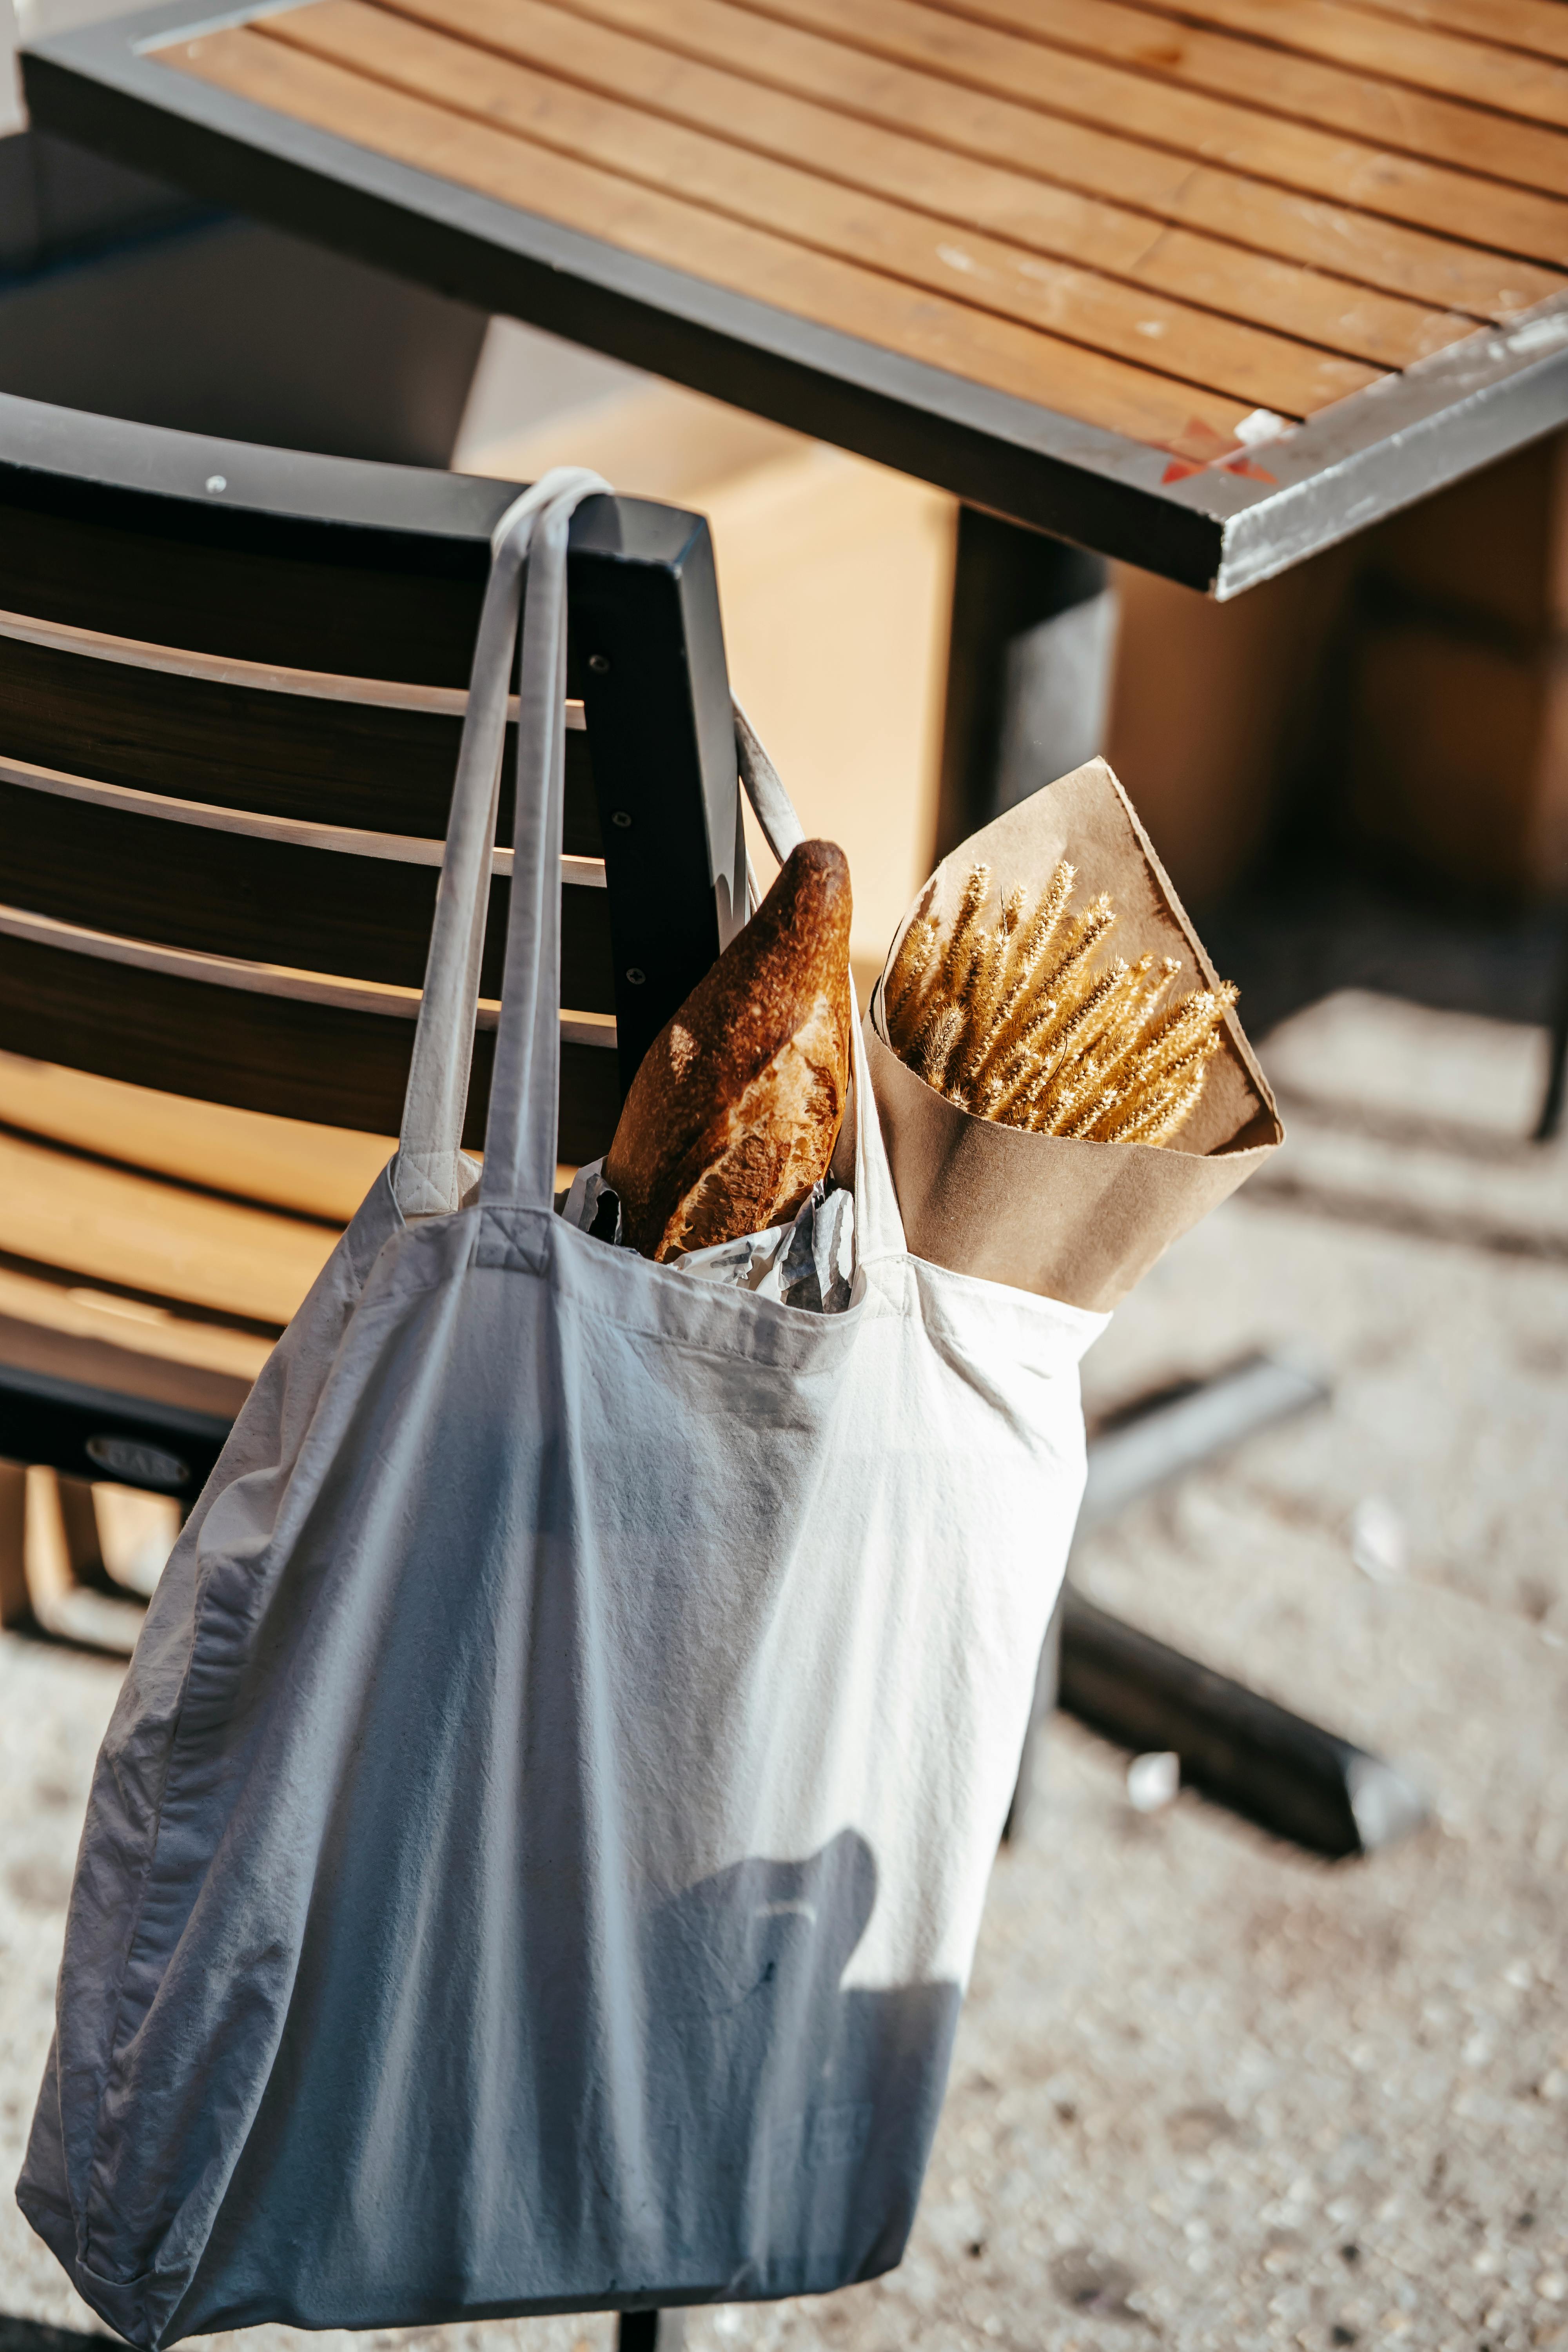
(1068, 1040)
(906, 983)
(941, 1033)
(1011, 1019)
(957, 963)
(1028, 947)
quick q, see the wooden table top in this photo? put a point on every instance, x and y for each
(1204, 286)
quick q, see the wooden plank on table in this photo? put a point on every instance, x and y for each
(1281, 75)
(1057, 152)
(961, 189)
(1291, 378)
(1540, 27)
(1059, 81)
(1470, 67)
(939, 333)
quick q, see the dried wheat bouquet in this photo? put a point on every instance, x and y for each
(1015, 1014)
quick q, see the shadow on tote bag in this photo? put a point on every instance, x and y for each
(539, 1847)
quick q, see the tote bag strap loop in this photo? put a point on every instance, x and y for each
(878, 1227)
(427, 1174)
(520, 1136)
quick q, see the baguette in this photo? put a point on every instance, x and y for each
(733, 1117)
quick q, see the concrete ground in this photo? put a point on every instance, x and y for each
(1210, 2090)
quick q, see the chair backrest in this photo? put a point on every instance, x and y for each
(232, 682)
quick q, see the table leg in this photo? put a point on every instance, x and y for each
(1030, 657)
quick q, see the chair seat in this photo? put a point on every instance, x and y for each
(152, 1249)
(155, 1246)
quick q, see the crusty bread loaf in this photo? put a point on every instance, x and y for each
(734, 1115)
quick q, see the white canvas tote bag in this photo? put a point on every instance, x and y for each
(537, 1852)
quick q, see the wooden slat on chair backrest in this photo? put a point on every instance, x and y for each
(231, 692)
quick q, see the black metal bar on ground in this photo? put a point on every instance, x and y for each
(1245, 1751)
(650, 2331)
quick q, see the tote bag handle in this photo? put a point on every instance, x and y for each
(520, 1136)
(427, 1177)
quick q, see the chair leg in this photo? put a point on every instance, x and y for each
(61, 1540)
(15, 1606)
(650, 2331)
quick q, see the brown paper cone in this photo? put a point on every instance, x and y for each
(1076, 1220)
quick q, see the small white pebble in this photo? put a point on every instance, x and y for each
(1152, 1780)
(1379, 1546)
(1552, 2287)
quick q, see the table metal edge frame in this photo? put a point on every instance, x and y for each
(1213, 530)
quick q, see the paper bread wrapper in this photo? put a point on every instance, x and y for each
(1076, 1220)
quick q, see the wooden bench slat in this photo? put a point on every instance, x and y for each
(67, 1330)
(617, 102)
(250, 747)
(291, 1058)
(226, 894)
(943, 333)
(1142, 105)
(394, 613)
(148, 1234)
(322, 1173)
